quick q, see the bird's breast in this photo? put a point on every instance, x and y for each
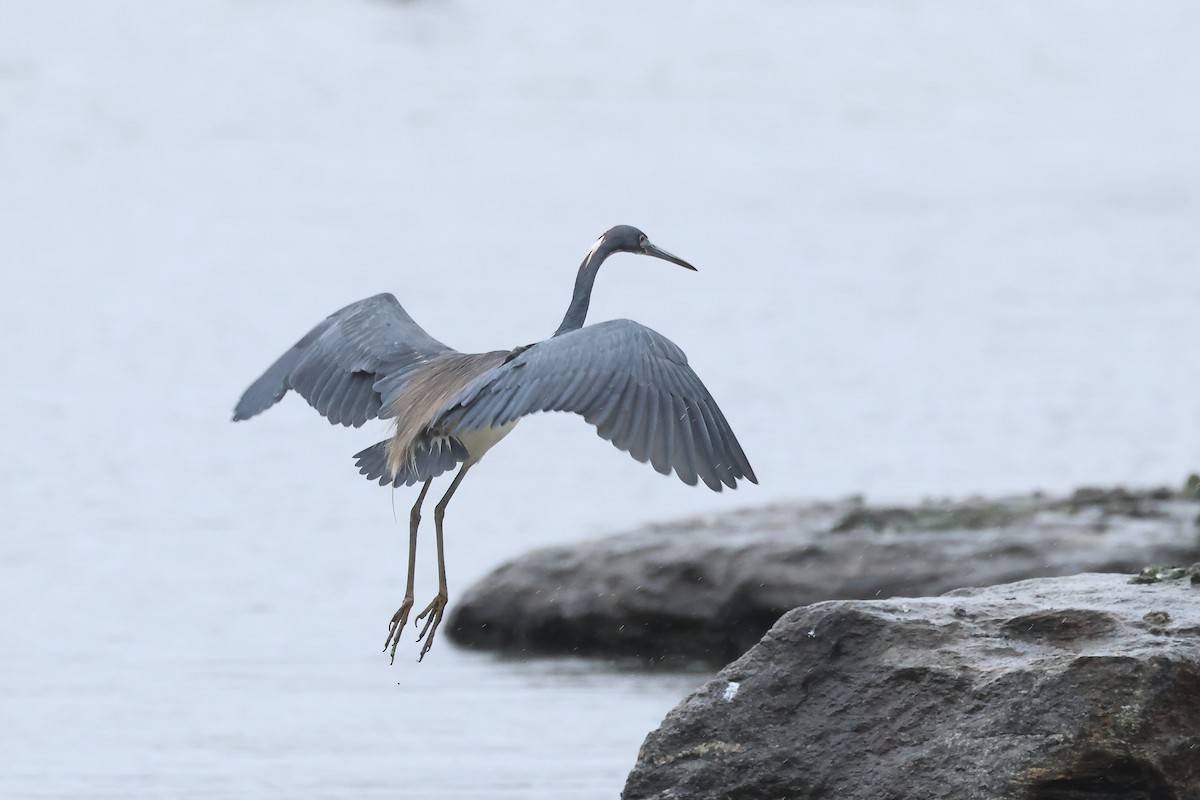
(479, 442)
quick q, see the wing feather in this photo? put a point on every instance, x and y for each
(665, 444)
(633, 384)
(723, 458)
(624, 436)
(608, 418)
(351, 396)
(344, 366)
(364, 403)
(635, 434)
(647, 431)
(685, 466)
(707, 461)
(325, 387)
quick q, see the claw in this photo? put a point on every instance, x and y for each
(434, 612)
(396, 626)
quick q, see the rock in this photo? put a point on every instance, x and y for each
(706, 590)
(1047, 689)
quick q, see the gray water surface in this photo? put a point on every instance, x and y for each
(943, 249)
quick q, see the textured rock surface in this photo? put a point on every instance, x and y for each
(708, 589)
(1065, 688)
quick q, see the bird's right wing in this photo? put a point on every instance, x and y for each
(632, 383)
(348, 366)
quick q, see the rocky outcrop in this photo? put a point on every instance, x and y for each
(1049, 689)
(708, 589)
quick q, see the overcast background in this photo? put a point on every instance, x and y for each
(943, 249)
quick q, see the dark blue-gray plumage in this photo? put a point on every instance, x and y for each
(370, 359)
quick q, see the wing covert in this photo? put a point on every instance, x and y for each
(632, 383)
(338, 365)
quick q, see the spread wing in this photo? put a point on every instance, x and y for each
(348, 366)
(632, 383)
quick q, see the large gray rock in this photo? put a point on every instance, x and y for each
(1049, 689)
(708, 589)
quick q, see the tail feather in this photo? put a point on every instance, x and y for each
(430, 459)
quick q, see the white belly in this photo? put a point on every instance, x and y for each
(479, 442)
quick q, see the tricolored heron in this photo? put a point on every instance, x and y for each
(372, 360)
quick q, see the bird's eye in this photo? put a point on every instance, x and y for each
(643, 240)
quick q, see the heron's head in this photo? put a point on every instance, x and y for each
(628, 239)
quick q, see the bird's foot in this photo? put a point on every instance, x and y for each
(396, 626)
(434, 613)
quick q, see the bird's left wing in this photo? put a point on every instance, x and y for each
(630, 382)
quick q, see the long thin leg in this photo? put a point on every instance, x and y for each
(435, 609)
(400, 618)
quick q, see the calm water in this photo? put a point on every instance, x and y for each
(942, 250)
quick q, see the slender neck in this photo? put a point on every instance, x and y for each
(577, 311)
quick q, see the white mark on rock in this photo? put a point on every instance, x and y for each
(731, 690)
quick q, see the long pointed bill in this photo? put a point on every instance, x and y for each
(658, 252)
